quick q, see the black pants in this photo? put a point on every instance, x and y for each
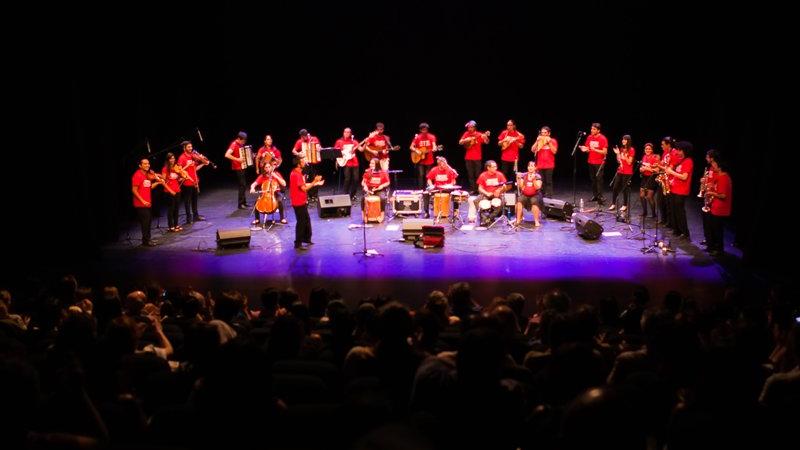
(145, 218)
(664, 206)
(679, 225)
(622, 183)
(240, 177)
(351, 180)
(547, 182)
(487, 215)
(189, 195)
(302, 231)
(596, 178)
(473, 172)
(172, 210)
(281, 208)
(422, 173)
(507, 167)
(310, 171)
(713, 227)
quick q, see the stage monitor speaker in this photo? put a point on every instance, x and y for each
(234, 237)
(587, 228)
(334, 205)
(558, 209)
(412, 228)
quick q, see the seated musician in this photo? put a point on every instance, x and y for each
(490, 186)
(530, 194)
(269, 171)
(441, 175)
(268, 152)
(375, 182)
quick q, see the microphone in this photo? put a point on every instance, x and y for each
(581, 133)
(200, 135)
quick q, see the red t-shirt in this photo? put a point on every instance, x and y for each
(142, 186)
(490, 182)
(722, 206)
(276, 154)
(597, 142)
(626, 168)
(276, 175)
(236, 147)
(172, 180)
(427, 140)
(312, 158)
(441, 176)
(473, 151)
(511, 153)
(380, 144)
(546, 159)
(651, 159)
(298, 196)
(673, 157)
(375, 179)
(678, 186)
(340, 143)
(529, 184)
(187, 162)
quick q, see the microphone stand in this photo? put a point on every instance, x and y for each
(365, 251)
(575, 165)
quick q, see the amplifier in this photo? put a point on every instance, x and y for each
(407, 202)
(334, 205)
(558, 209)
(412, 228)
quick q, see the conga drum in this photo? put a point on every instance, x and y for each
(441, 204)
(372, 208)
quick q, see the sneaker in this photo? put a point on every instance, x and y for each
(284, 221)
(623, 208)
(255, 222)
(612, 207)
(199, 218)
(242, 206)
(703, 242)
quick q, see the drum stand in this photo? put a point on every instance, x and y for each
(501, 218)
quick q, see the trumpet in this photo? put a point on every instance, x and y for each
(704, 181)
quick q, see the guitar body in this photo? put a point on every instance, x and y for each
(347, 153)
(377, 153)
(416, 157)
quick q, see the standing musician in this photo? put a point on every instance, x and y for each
(308, 146)
(680, 184)
(298, 188)
(270, 172)
(472, 140)
(439, 176)
(718, 201)
(374, 182)
(142, 182)
(236, 154)
(596, 145)
(174, 176)
(622, 179)
(423, 145)
(490, 186)
(349, 144)
(662, 201)
(530, 194)
(191, 163)
(378, 146)
(510, 141)
(647, 171)
(544, 150)
(268, 153)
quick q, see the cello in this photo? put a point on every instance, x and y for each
(267, 203)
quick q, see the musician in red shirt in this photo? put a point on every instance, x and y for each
(596, 145)
(268, 153)
(719, 193)
(308, 146)
(441, 175)
(191, 185)
(298, 188)
(544, 150)
(423, 145)
(530, 194)
(491, 185)
(378, 146)
(622, 179)
(347, 145)
(375, 182)
(473, 140)
(270, 172)
(142, 182)
(680, 183)
(236, 154)
(662, 200)
(173, 174)
(648, 185)
(510, 141)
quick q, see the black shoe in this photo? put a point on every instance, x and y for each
(199, 218)
(149, 244)
(299, 247)
(309, 243)
(243, 206)
(703, 242)
(255, 222)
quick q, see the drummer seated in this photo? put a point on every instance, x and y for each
(441, 178)
(491, 185)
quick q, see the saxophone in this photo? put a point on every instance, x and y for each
(708, 199)
(663, 180)
(704, 182)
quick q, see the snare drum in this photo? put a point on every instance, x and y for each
(441, 204)
(496, 203)
(372, 208)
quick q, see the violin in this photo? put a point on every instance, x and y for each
(199, 157)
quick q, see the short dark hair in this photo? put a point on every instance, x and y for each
(685, 146)
(597, 125)
(297, 160)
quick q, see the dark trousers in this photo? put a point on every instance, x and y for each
(473, 172)
(351, 180)
(311, 171)
(596, 178)
(487, 215)
(507, 167)
(189, 195)
(145, 218)
(547, 182)
(713, 228)
(281, 208)
(302, 231)
(240, 177)
(622, 183)
(172, 210)
(678, 205)
(422, 173)
(663, 203)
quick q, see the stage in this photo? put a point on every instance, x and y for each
(496, 261)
